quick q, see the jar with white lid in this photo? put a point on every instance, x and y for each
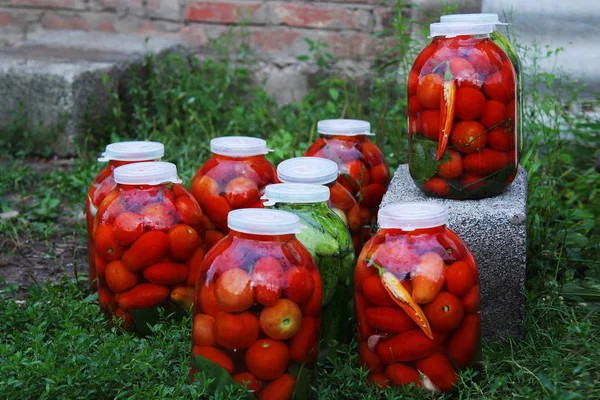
(234, 177)
(329, 242)
(116, 154)
(149, 232)
(321, 171)
(363, 169)
(417, 300)
(463, 113)
(258, 306)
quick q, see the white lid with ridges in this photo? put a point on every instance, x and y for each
(313, 170)
(238, 146)
(133, 151)
(484, 18)
(146, 173)
(452, 29)
(295, 193)
(260, 221)
(411, 216)
(344, 127)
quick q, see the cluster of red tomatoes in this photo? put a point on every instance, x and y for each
(148, 248)
(257, 311)
(417, 308)
(467, 86)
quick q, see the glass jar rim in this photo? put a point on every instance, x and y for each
(238, 146)
(146, 173)
(344, 127)
(459, 28)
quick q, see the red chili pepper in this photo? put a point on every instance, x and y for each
(447, 100)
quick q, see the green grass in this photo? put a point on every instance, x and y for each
(56, 345)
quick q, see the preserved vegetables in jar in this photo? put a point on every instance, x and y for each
(321, 171)
(363, 169)
(149, 232)
(258, 306)
(462, 114)
(234, 177)
(328, 241)
(116, 154)
(417, 300)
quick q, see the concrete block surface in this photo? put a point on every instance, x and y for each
(495, 231)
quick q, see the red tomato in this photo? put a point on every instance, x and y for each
(144, 295)
(500, 139)
(429, 91)
(215, 355)
(202, 330)
(464, 73)
(354, 175)
(304, 341)
(217, 209)
(486, 162)
(469, 103)
(380, 174)
(282, 320)
(452, 168)
(299, 284)
(362, 327)
(401, 374)
(236, 331)
(106, 244)
(430, 124)
(313, 307)
(106, 300)
(371, 153)
(147, 250)
(234, 291)
(460, 278)
(267, 276)
(468, 136)
(281, 388)
(212, 237)
(470, 301)
(437, 186)
(500, 86)
(413, 81)
(127, 227)
(267, 359)
(118, 278)
(194, 264)
(341, 198)
(189, 210)
(371, 195)
(246, 378)
(408, 346)
(378, 380)
(438, 368)
(166, 273)
(485, 58)
(375, 292)
(204, 188)
(369, 358)
(462, 346)
(389, 319)
(206, 300)
(158, 216)
(493, 113)
(471, 181)
(241, 192)
(444, 313)
(415, 106)
(183, 242)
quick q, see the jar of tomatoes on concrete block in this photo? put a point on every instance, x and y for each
(234, 177)
(462, 114)
(417, 300)
(149, 232)
(258, 307)
(116, 154)
(328, 241)
(321, 171)
(363, 169)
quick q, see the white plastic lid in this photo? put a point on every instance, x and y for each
(146, 173)
(133, 151)
(260, 221)
(315, 170)
(411, 216)
(238, 146)
(484, 18)
(344, 127)
(452, 29)
(295, 193)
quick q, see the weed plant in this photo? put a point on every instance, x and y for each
(56, 345)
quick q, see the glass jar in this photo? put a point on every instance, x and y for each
(148, 231)
(363, 169)
(328, 241)
(321, 171)
(116, 154)
(234, 177)
(417, 300)
(510, 50)
(462, 114)
(258, 306)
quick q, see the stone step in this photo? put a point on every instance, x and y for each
(56, 80)
(495, 231)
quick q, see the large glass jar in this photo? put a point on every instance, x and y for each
(510, 50)
(462, 114)
(258, 306)
(417, 300)
(363, 169)
(329, 243)
(321, 171)
(148, 231)
(116, 154)
(234, 177)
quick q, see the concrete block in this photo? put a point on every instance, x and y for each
(57, 80)
(495, 231)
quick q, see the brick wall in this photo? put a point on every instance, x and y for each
(275, 29)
